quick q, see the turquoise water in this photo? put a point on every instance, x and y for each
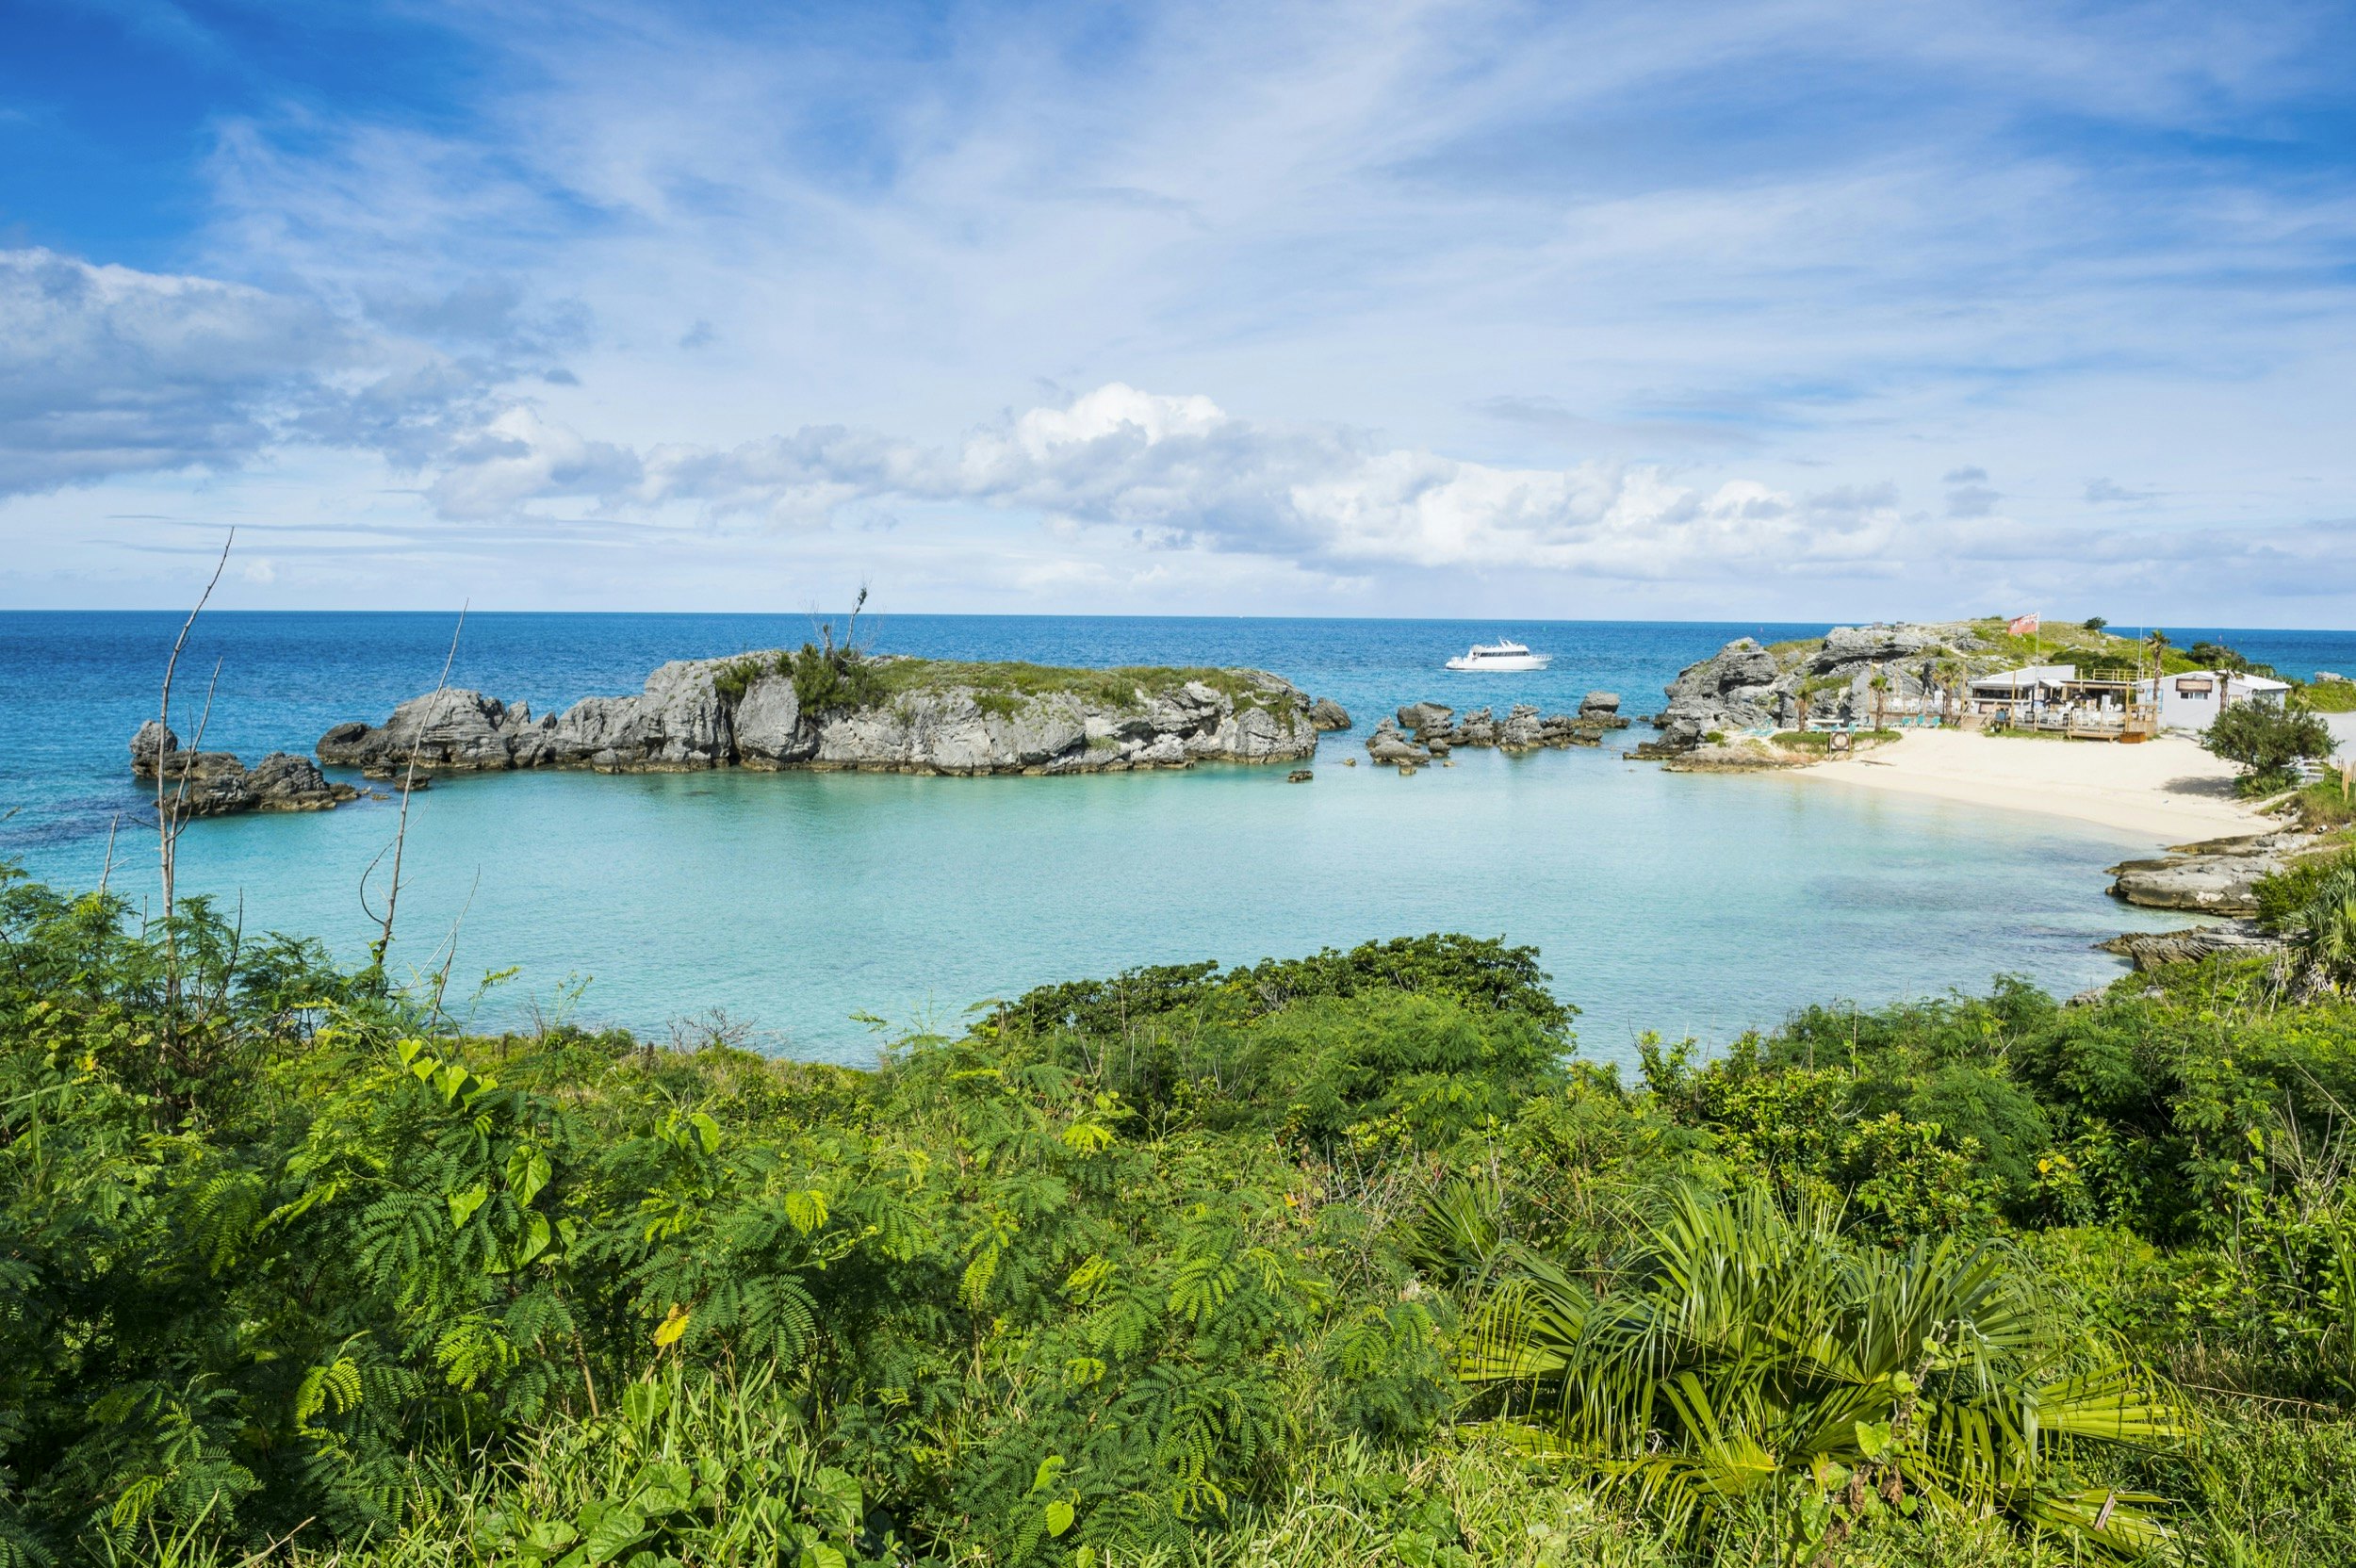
(1678, 903)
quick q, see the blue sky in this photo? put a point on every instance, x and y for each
(1802, 310)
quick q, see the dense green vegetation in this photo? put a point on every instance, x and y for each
(826, 678)
(2329, 696)
(1329, 1261)
(1003, 686)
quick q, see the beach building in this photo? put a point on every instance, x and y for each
(2052, 696)
(2015, 694)
(2194, 699)
(2343, 728)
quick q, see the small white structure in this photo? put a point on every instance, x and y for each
(2194, 699)
(2343, 728)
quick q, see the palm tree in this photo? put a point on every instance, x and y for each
(2323, 934)
(1758, 1360)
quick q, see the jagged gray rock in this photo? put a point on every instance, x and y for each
(284, 782)
(1386, 744)
(216, 784)
(1425, 715)
(2148, 950)
(745, 711)
(1326, 715)
(1438, 731)
(2206, 884)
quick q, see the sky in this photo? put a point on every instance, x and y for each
(1795, 310)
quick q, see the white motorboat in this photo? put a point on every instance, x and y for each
(1501, 657)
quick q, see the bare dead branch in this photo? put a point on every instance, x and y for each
(171, 665)
(408, 788)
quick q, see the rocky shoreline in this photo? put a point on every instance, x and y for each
(958, 720)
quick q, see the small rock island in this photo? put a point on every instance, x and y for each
(216, 784)
(824, 710)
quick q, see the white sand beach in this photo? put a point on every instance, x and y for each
(2169, 789)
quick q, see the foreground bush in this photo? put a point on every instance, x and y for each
(1176, 1267)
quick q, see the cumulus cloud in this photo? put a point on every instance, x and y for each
(1178, 472)
(106, 370)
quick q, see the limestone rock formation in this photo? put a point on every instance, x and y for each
(2149, 950)
(1437, 729)
(746, 711)
(216, 784)
(1386, 744)
(2217, 878)
(1747, 686)
(1326, 715)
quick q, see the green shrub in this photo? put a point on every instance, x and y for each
(2282, 895)
(2266, 740)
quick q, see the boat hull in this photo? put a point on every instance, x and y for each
(1507, 666)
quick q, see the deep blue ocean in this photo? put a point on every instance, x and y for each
(792, 902)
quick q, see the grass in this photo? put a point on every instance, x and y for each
(2321, 806)
(1821, 739)
(1002, 686)
(2329, 696)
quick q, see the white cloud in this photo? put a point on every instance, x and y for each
(1179, 471)
(106, 370)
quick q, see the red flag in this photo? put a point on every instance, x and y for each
(2023, 626)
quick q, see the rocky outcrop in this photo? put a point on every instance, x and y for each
(1747, 686)
(1423, 731)
(1325, 715)
(216, 784)
(1602, 709)
(2239, 939)
(1386, 744)
(745, 711)
(2217, 878)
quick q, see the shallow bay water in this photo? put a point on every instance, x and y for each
(1682, 904)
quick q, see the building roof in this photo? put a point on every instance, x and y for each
(2034, 674)
(2237, 680)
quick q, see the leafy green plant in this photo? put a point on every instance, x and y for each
(1755, 1358)
(2322, 933)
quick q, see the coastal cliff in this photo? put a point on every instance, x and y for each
(766, 710)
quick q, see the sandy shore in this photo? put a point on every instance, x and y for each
(2167, 790)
